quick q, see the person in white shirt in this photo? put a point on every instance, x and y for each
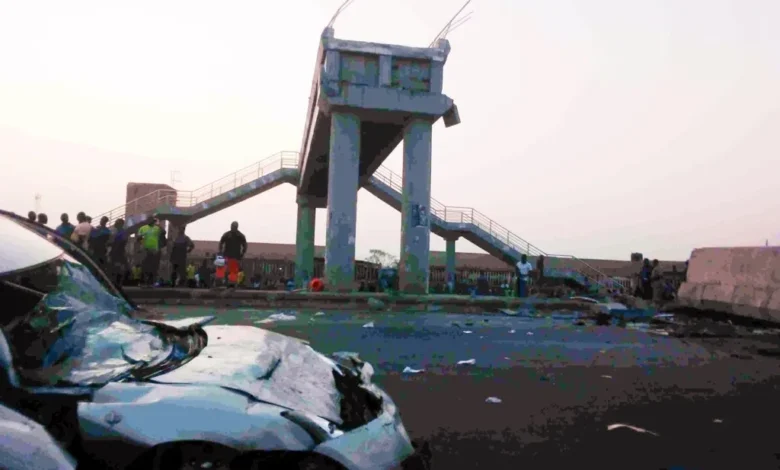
(524, 269)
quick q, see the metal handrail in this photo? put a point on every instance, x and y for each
(289, 159)
(173, 197)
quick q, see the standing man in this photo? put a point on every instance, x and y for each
(98, 242)
(81, 233)
(644, 280)
(524, 269)
(657, 283)
(540, 269)
(118, 255)
(233, 246)
(182, 246)
(149, 237)
(65, 228)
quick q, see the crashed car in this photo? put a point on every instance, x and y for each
(119, 391)
(25, 445)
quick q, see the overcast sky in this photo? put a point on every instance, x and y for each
(591, 127)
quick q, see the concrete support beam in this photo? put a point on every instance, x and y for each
(304, 241)
(415, 222)
(343, 173)
(450, 264)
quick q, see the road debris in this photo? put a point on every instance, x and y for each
(529, 333)
(493, 400)
(369, 325)
(409, 370)
(511, 332)
(467, 332)
(467, 362)
(319, 314)
(606, 376)
(612, 427)
(717, 421)
(277, 317)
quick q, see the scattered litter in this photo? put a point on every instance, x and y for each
(345, 355)
(511, 332)
(529, 333)
(612, 427)
(606, 376)
(738, 355)
(467, 362)
(281, 317)
(658, 332)
(585, 299)
(493, 400)
(467, 332)
(369, 325)
(717, 421)
(319, 314)
(409, 370)
(508, 359)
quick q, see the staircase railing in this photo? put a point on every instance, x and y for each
(173, 197)
(468, 215)
(289, 159)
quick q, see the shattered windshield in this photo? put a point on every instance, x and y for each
(65, 327)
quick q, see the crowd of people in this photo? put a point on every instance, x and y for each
(108, 247)
(651, 284)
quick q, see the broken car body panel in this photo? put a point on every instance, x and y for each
(25, 445)
(268, 366)
(144, 415)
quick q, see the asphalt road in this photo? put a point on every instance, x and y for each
(707, 404)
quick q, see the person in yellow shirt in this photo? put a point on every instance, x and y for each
(191, 275)
(149, 236)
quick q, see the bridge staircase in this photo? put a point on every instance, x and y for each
(445, 221)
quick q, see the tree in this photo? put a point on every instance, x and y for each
(382, 258)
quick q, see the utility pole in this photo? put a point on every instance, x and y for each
(175, 174)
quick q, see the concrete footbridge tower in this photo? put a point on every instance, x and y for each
(366, 99)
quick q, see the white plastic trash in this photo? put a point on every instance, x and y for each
(493, 400)
(467, 362)
(369, 325)
(409, 370)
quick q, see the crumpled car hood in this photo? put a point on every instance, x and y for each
(268, 366)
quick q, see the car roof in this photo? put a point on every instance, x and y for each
(22, 248)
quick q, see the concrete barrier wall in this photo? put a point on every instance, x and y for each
(738, 281)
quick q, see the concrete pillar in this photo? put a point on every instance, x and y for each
(343, 172)
(450, 265)
(304, 242)
(415, 224)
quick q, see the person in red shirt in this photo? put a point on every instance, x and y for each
(233, 246)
